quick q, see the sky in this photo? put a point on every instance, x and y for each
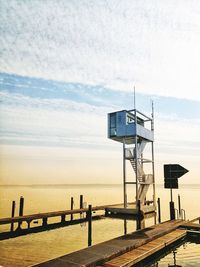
(65, 64)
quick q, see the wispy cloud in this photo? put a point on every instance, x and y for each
(40, 112)
(108, 43)
(50, 121)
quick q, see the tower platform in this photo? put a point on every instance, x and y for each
(131, 209)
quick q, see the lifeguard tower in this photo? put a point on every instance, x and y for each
(135, 131)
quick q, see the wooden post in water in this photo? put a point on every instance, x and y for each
(29, 224)
(139, 215)
(179, 205)
(159, 211)
(172, 210)
(21, 210)
(81, 205)
(72, 206)
(125, 226)
(44, 221)
(89, 217)
(171, 207)
(21, 206)
(12, 215)
(63, 218)
(81, 201)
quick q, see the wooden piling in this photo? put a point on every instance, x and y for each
(72, 206)
(81, 201)
(21, 210)
(159, 211)
(106, 212)
(21, 206)
(44, 222)
(179, 205)
(63, 218)
(12, 215)
(139, 218)
(125, 226)
(29, 224)
(89, 217)
(172, 210)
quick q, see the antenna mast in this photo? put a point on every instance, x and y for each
(134, 98)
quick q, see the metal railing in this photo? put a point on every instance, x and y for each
(183, 214)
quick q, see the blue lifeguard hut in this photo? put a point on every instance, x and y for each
(135, 130)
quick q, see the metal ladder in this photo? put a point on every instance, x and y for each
(144, 179)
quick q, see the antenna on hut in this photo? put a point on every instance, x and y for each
(134, 99)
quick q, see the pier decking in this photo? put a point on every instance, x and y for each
(101, 254)
(142, 252)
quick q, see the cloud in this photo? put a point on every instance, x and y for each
(47, 123)
(50, 121)
(151, 44)
(178, 136)
(41, 112)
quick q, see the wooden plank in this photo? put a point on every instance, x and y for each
(187, 225)
(106, 251)
(191, 226)
(138, 254)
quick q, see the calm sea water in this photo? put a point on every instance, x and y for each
(39, 247)
(185, 255)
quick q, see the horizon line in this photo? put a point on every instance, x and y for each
(76, 184)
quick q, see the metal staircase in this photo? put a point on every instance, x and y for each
(144, 180)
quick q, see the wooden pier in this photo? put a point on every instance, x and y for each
(43, 218)
(40, 221)
(46, 215)
(144, 242)
(123, 251)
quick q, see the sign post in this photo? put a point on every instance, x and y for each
(171, 174)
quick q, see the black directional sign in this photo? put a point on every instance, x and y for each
(174, 171)
(171, 173)
(171, 183)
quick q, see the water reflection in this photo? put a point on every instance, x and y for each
(184, 252)
(174, 257)
(140, 220)
(125, 226)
